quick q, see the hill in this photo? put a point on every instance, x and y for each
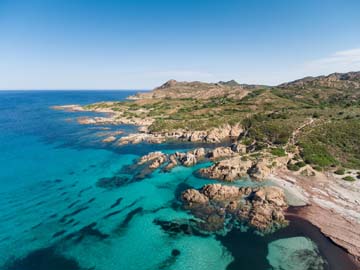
(198, 90)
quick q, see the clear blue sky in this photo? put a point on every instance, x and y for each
(139, 44)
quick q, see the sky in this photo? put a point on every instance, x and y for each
(140, 44)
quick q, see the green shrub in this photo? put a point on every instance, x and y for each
(316, 154)
(340, 171)
(293, 167)
(349, 178)
(300, 164)
(317, 168)
(280, 152)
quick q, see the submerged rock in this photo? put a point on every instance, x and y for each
(112, 182)
(109, 139)
(262, 208)
(296, 253)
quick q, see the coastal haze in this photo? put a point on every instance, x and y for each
(244, 155)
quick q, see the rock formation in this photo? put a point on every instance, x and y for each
(141, 137)
(220, 152)
(155, 159)
(228, 169)
(261, 208)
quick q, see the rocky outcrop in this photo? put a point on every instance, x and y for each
(139, 138)
(228, 169)
(220, 152)
(187, 159)
(173, 162)
(191, 196)
(190, 158)
(262, 208)
(214, 135)
(154, 159)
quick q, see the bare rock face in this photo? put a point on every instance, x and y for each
(221, 133)
(227, 169)
(261, 208)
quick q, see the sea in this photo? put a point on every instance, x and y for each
(69, 201)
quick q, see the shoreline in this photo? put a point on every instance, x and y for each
(320, 204)
(336, 256)
(320, 196)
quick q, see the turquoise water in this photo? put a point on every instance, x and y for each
(54, 215)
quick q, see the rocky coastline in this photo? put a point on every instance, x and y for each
(323, 197)
(261, 208)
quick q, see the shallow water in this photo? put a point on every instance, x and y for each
(55, 214)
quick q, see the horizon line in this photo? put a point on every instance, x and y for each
(75, 89)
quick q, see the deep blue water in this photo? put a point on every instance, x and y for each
(54, 215)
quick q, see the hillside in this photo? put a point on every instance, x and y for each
(334, 89)
(198, 90)
(269, 116)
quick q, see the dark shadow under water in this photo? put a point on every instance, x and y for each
(250, 250)
(43, 259)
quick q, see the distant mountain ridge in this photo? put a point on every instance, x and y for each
(335, 80)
